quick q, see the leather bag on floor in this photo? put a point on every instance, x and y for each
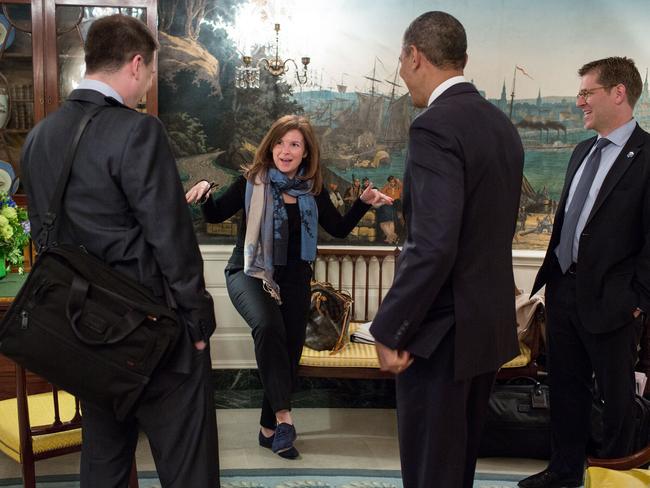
(518, 422)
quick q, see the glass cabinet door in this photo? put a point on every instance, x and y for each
(18, 110)
(65, 39)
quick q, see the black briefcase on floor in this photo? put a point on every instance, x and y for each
(518, 420)
(84, 326)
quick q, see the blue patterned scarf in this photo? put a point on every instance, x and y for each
(267, 225)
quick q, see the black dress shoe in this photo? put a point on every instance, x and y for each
(549, 479)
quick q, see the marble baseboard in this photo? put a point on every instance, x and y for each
(236, 379)
(242, 388)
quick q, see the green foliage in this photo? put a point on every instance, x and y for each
(188, 101)
(186, 134)
(173, 14)
(14, 231)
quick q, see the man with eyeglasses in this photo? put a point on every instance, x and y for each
(597, 274)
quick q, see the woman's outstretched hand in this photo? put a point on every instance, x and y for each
(199, 192)
(372, 196)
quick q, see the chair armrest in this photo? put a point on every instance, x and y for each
(632, 461)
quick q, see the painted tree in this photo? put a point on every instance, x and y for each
(185, 17)
(236, 118)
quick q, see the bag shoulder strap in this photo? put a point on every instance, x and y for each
(56, 201)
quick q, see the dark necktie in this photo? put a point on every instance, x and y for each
(565, 248)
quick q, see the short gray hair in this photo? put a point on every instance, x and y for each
(440, 37)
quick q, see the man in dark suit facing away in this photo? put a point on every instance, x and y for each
(597, 274)
(125, 204)
(448, 321)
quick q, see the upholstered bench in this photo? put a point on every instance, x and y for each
(363, 273)
(366, 274)
(360, 361)
(353, 361)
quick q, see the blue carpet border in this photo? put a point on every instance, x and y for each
(374, 473)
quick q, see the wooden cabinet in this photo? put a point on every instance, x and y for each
(21, 80)
(42, 61)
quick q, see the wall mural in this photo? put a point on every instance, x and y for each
(523, 57)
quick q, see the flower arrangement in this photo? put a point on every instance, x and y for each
(14, 232)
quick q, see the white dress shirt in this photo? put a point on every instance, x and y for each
(454, 80)
(101, 87)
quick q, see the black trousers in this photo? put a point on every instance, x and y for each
(177, 414)
(440, 420)
(278, 330)
(574, 356)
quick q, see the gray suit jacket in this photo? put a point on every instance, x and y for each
(124, 202)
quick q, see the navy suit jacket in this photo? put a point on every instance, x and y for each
(614, 254)
(462, 184)
(124, 202)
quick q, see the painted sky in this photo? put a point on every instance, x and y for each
(550, 39)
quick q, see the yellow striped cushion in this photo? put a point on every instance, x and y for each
(41, 412)
(355, 355)
(608, 478)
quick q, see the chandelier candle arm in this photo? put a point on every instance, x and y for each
(247, 76)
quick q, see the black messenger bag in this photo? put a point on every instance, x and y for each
(84, 326)
(518, 421)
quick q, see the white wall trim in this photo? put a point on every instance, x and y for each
(231, 344)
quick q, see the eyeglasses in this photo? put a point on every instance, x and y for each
(586, 93)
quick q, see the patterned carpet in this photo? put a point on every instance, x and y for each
(285, 478)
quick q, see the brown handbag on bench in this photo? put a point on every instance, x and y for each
(329, 318)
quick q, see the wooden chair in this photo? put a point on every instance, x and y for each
(635, 460)
(621, 472)
(39, 422)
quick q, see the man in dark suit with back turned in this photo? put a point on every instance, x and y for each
(125, 204)
(597, 274)
(448, 321)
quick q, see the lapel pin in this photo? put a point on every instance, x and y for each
(630, 154)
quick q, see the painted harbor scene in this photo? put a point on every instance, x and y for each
(231, 70)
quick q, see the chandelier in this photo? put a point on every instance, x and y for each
(248, 76)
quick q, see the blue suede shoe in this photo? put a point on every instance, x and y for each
(291, 453)
(283, 439)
